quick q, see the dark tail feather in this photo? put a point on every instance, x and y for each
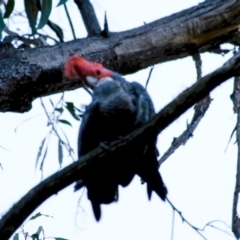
(96, 210)
(148, 172)
(155, 183)
(149, 192)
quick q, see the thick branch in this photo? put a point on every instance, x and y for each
(235, 213)
(89, 17)
(29, 74)
(21, 210)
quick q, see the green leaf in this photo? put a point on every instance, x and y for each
(57, 238)
(40, 151)
(40, 229)
(71, 149)
(51, 102)
(32, 12)
(35, 216)
(46, 10)
(35, 236)
(57, 30)
(65, 122)
(70, 107)
(60, 152)
(61, 2)
(59, 110)
(78, 110)
(16, 236)
(233, 131)
(9, 8)
(44, 156)
(2, 25)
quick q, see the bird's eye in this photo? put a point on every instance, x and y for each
(98, 72)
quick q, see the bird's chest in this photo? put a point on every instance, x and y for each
(116, 119)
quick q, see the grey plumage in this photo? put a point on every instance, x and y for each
(117, 108)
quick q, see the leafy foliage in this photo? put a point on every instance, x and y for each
(46, 10)
(9, 8)
(54, 118)
(60, 152)
(61, 2)
(65, 122)
(71, 108)
(37, 13)
(2, 25)
(40, 151)
(39, 234)
(32, 12)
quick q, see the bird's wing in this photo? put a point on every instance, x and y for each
(85, 144)
(145, 108)
(148, 168)
(88, 130)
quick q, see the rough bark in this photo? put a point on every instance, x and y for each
(29, 74)
(235, 213)
(50, 186)
(89, 17)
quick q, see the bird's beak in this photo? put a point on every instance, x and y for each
(94, 82)
(91, 81)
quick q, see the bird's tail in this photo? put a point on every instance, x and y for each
(101, 192)
(96, 210)
(155, 183)
(148, 172)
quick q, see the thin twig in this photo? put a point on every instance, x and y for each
(173, 221)
(67, 146)
(217, 228)
(79, 206)
(198, 63)
(198, 230)
(199, 111)
(70, 21)
(36, 116)
(88, 91)
(149, 76)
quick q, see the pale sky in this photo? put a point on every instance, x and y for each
(200, 176)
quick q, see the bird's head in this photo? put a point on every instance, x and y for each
(91, 73)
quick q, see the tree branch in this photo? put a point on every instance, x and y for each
(235, 213)
(69, 21)
(29, 74)
(197, 229)
(89, 17)
(199, 111)
(50, 186)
